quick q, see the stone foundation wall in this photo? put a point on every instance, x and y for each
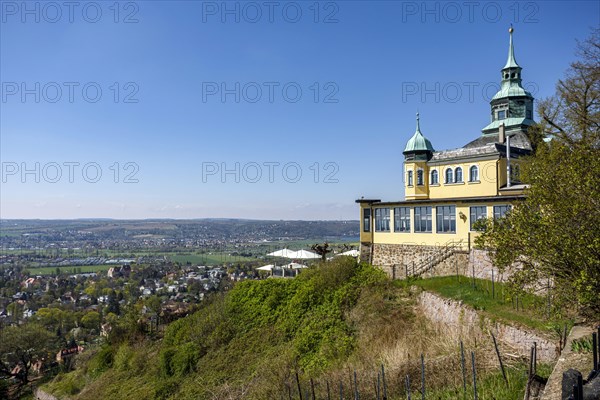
(462, 321)
(401, 254)
(365, 252)
(396, 259)
(444, 268)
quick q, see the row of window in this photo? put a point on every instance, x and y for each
(452, 176)
(423, 221)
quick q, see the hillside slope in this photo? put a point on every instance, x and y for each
(249, 343)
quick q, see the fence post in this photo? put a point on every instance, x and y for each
(549, 299)
(312, 389)
(328, 392)
(356, 394)
(529, 375)
(407, 387)
(422, 376)
(534, 358)
(595, 350)
(384, 384)
(474, 376)
(499, 359)
(462, 364)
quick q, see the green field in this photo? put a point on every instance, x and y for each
(206, 259)
(69, 269)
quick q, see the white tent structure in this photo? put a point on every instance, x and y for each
(295, 266)
(266, 268)
(305, 255)
(351, 253)
(286, 253)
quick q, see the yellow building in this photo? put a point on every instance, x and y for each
(447, 191)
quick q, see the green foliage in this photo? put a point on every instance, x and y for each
(179, 361)
(306, 312)
(22, 346)
(583, 345)
(91, 320)
(122, 358)
(269, 327)
(68, 384)
(102, 361)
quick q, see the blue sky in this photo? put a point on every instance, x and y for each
(274, 110)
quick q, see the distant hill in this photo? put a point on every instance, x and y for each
(227, 229)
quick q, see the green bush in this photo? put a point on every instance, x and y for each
(166, 361)
(122, 358)
(102, 361)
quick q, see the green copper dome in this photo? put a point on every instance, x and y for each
(418, 142)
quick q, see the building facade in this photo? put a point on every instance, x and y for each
(447, 191)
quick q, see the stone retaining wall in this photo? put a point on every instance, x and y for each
(462, 321)
(401, 254)
(396, 259)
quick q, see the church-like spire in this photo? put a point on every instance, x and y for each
(511, 62)
(512, 105)
(418, 125)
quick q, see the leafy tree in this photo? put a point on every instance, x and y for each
(22, 346)
(555, 232)
(51, 318)
(113, 304)
(91, 320)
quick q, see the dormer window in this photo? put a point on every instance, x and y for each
(501, 114)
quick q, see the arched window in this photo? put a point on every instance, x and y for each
(434, 177)
(473, 174)
(449, 175)
(420, 179)
(458, 175)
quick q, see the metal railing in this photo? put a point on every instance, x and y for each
(434, 259)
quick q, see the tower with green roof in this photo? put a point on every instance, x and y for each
(417, 152)
(512, 105)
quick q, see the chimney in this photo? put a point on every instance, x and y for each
(501, 134)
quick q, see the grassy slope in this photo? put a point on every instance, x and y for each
(248, 344)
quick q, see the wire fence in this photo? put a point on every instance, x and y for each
(415, 378)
